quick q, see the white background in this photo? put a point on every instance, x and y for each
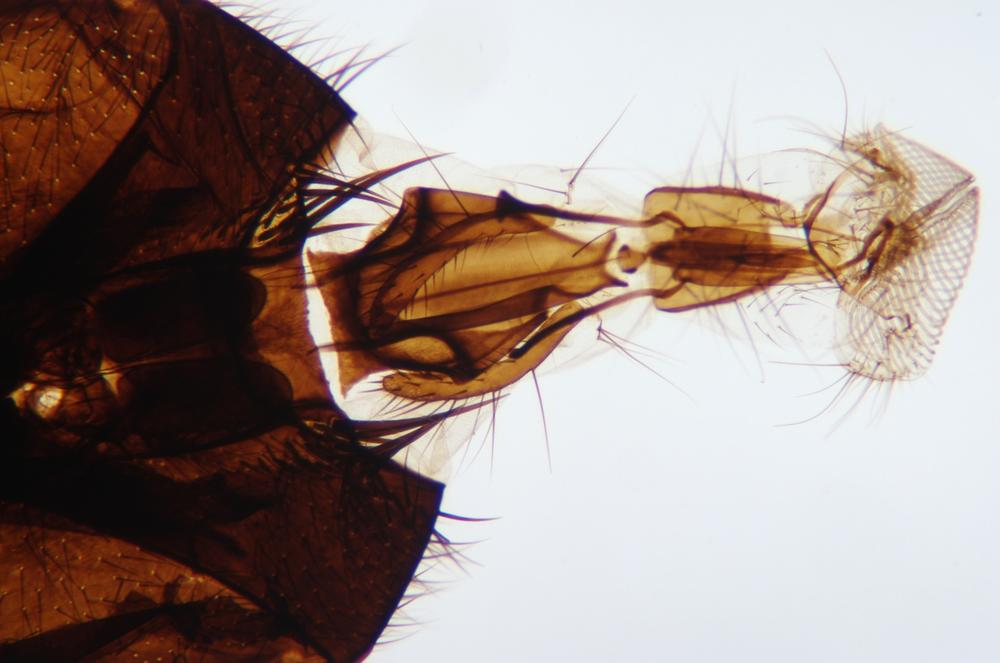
(674, 528)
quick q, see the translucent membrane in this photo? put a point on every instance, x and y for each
(175, 478)
(896, 231)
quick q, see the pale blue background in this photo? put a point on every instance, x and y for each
(672, 531)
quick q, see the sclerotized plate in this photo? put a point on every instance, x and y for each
(175, 481)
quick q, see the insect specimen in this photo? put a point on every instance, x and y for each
(177, 478)
(672, 530)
